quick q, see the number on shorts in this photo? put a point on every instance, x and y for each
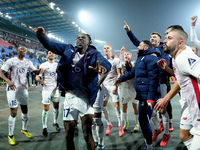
(14, 102)
(66, 112)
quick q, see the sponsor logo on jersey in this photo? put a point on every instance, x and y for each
(52, 74)
(77, 69)
(184, 118)
(21, 70)
(191, 61)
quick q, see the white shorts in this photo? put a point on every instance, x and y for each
(15, 97)
(98, 104)
(75, 106)
(126, 95)
(108, 95)
(196, 138)
(186, 119)
(48, 96)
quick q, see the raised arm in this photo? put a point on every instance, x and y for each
(193, 35)
(56, 48)
(121, 53)
(131, 36)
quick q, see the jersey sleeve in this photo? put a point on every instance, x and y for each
(31, 67)
(7, 65)
(118, 63)
(189, 64)
(43, 66)
(193, 37)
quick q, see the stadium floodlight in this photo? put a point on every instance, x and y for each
(83, 31)
(52, 5)
(49, 35)
(53, 36)
(7, 16)
(83, 16)
(76, 25)
(1, 13)
(58, 8)
(73, 22)
(61, 12)
(99, 41)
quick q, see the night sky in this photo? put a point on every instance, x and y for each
(106, 18)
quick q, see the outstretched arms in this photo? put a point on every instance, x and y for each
(56, 48)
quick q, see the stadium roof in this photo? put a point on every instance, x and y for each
(33, 13)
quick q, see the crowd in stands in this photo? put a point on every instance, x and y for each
(9, 42)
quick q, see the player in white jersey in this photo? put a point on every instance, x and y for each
(98, 126)
(17, 90)
(126, 90)
(185, 120)
(193, 34)
(50, 91)
(110, 89)
(186, 68)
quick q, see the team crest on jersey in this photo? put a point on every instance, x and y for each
(22, 70)
(52, 74)
(191, 61)
(77, 69)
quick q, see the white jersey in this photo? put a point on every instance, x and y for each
(186, 68)
(129, 84)
(112, 75)
(194, 38)
(18, 70)
(49, 75)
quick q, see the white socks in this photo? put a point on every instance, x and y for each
(94, 132)
(11, 125)
(55, 115)
(125, 117)
(24, 121)
(136, 119)
(44, 118)
(188, 143)
(100, 130)
(155, 120)
(118, 113)
(165, 119)
(106, 114)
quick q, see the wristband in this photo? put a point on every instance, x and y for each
(150, 101)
